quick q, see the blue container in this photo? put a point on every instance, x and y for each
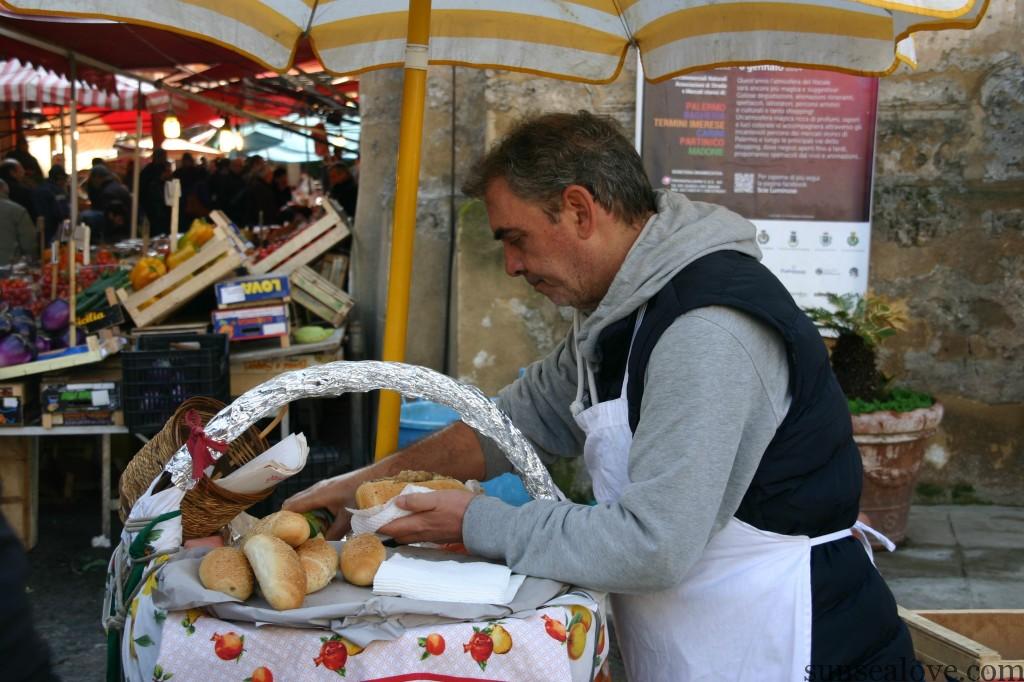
(421, 418)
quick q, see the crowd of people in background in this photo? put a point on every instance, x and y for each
(248, 189)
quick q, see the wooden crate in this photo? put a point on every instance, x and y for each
(216, 260)
(320, 297)
(19, 474)
(94, 349)
(305, 247)
(333, 268)
(969, 644)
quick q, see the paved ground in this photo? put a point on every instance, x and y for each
(955, 557)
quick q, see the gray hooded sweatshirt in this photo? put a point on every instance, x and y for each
(715, 392)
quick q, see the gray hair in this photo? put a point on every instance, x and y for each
(4, 189)
(545, 154)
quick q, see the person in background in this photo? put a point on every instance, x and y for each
(18, 238)
(51, 201)
(282, 190)
(20, 153)
(158, 213)
(12, 172)
(25, 656)
(109, 216)
(230, 190)
(344, 189)
(261, 207)
(151, 192)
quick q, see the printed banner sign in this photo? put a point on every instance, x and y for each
(791, 149)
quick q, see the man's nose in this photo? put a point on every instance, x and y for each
(513, 264)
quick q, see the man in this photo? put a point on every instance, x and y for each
(21, 154)
(12, 172)
(109, 215)
(17, 233)
(344, 189)
(701, 398)
(261, 207)
(51, 201)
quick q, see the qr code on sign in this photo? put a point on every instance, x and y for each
(743, 183)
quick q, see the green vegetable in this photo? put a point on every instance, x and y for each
(311, 334)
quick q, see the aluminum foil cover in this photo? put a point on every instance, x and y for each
(336, 378)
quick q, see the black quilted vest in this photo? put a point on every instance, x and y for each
(809, 478)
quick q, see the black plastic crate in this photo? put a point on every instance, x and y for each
(159, 375)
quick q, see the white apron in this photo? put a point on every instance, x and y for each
(743, 612)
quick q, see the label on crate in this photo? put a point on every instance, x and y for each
(103, 318)
(10, 402)
(244, 324)
(252, 289)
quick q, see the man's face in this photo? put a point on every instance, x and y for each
(550, 255)
(17, 172)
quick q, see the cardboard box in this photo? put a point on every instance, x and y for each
(251, 373)
(17, 403)
(254, 289)
(247, 324)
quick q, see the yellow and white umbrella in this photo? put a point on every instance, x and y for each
(583, 40)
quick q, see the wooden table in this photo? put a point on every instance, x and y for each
(107, 504)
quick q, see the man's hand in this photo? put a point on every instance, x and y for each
(333, 494)
(437, 517)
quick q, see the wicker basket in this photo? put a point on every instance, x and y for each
(149, 461)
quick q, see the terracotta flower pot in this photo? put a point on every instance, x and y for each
(892, 448)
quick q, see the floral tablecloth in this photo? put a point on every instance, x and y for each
(560, 641)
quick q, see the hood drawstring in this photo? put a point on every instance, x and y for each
(581, 363)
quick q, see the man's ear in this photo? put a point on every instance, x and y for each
(579, 203)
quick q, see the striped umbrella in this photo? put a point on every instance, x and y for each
(584, 40)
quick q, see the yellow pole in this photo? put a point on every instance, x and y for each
(403, 228)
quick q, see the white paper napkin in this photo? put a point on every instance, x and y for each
(270, 468)
(372, 519)
(475, 582)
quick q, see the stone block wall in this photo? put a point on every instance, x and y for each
(948, 238)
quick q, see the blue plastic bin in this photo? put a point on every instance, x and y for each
(420, 418)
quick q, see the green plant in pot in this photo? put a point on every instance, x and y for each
(890, 425)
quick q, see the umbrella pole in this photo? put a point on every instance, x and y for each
(138, 161)
(403, 228)
(73, 180)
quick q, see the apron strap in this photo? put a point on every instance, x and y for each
(864, 531)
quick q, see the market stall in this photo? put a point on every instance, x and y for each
(416, 613)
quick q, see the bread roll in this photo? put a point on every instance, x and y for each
(226, 570)
(319, 561)
(278, 571)
(286, 525)
(372, 493)
(361, 556)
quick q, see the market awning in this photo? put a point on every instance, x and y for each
(26, 83)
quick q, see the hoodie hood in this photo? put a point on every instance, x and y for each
(678, 234)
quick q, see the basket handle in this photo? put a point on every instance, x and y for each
(277, 420)
(336, 378)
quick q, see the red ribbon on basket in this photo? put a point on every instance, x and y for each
(199, 445)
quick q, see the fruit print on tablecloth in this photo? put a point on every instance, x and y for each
(532, 655)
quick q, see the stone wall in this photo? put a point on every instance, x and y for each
(948, 238)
